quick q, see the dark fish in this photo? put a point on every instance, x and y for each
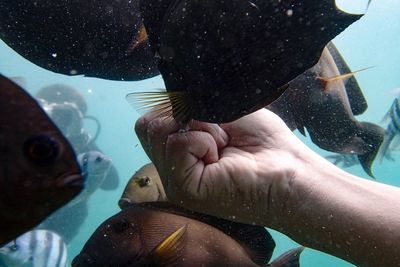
(36, 248)
(95, 38)
(324, 100)
(38, 169)
(95, 167)
(159, 234)
(144, 186)
(221, 60)
(392, 132)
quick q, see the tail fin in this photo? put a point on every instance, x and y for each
(290, 258)
(384, 150)
(373, 135)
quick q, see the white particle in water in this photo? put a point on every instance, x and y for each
(289, 12)
(54, 55)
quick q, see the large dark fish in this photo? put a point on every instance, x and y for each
(323, 102)
(38, 168)
(159, 234)
(221, 60)
(96, 38)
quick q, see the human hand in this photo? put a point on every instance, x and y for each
(240, 170)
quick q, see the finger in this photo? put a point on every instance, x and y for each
(220, 136)
(141, 126)
(157, 132)
(187, 154)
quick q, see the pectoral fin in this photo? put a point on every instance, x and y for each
(170, 249)
(289, 259)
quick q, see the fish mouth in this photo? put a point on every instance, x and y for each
(124, 202)
(73, 180)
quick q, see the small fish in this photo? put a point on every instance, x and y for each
(144, 186)
(324, 100)
(38, 170)
(239, 55)
(95, 167)
(392, 132)
(36, 248)
(90, 37)
(160, 234)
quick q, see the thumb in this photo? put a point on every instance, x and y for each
(187, 155)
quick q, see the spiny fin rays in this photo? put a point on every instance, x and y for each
(164, 104)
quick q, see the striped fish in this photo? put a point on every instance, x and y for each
(36, 248)
(392, 133)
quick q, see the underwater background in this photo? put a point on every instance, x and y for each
(374, 40)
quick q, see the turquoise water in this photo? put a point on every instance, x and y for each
(372, 41)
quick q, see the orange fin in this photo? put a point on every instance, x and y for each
(141, 38)
(170, 249)
(326, 80)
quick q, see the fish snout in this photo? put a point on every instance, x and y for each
(73, 181)
(124, 203)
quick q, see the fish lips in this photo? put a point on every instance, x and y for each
(124, 203)
(73, 181)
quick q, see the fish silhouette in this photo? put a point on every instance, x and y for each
(324, 100)
(161, 234)
(38, 168)
(221, 60)
(95, 38)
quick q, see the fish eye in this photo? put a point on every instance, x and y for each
(145, 181)
(13, 247)
(98, 159)
(41, 149)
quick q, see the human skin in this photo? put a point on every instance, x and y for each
(255, 170)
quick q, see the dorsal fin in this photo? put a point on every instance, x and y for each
(358, 103)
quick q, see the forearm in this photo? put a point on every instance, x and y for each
(352, 218)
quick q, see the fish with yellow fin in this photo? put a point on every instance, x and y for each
(145, 191)
(221, 60)
(324, 100)
(161, 234)
(38, 171)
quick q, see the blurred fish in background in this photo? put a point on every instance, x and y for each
(38, 170)
(343, 160)
(391, 141)
(36, 248)
(67, 107)
(95, 167)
